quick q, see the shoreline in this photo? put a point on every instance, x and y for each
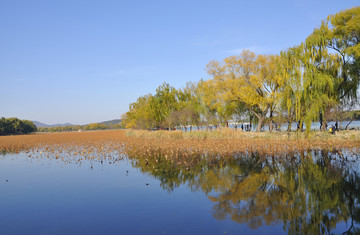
(222, 142)
(238, 134)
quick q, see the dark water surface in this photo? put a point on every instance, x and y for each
(310, 194)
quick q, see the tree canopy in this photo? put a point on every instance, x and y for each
(15, 126)
(302, 84)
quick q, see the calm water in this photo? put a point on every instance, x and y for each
(316, 193)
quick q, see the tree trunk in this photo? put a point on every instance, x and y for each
(260, 124)
(323, 123)
(289, 127)
(323, 128)
(302, 126)
(321, 120)
(349, 124)
(271, 121)
(260, 116)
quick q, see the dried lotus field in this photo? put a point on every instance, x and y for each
(224, 143)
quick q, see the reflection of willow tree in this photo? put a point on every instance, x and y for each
(171, 173)
(322, 205)
(309, 197)
(351, 190)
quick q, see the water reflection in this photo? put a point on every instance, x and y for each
(309, 194)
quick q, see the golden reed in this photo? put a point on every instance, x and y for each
(176, 143)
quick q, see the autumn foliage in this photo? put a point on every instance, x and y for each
(301, 84)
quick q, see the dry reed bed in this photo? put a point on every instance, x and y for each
(228, 142)
(112, 144)
(68, 147)
(231, 147)
(40, 140)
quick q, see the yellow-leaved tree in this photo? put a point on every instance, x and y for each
(250, 80)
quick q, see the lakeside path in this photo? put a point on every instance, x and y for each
(223, 142)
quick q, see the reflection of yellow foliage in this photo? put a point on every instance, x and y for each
(271, 196)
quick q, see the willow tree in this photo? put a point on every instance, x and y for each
(250, 80)
(291, 92)
(334, 50)
(324, 70)
(308, 84)
(343, 37)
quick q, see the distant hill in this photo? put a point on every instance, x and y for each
(108, 123)
(40, 124)
(111, 122)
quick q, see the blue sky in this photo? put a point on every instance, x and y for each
(86, 61)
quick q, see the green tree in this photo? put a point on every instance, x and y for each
(189, 105)
(153, 111)
(165, 103)
(141, 114)
(14, 126)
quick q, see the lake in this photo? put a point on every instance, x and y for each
(309, 193)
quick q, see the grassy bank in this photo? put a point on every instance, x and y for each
(233, 134)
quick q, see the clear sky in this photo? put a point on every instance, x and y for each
(86, 61)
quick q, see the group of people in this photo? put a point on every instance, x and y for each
(334, 128)
(244, 127)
